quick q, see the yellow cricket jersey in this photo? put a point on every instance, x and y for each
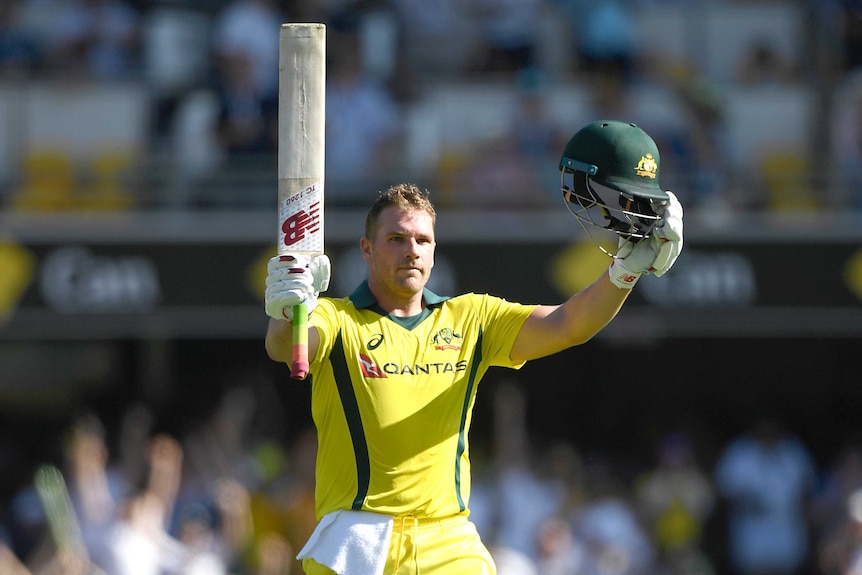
(392, 399)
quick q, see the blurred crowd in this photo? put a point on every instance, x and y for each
(211, 73)
(226, 493)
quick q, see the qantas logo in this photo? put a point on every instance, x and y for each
(368, 367)
(371, 370)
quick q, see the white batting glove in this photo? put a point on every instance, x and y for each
(292, 280)
(670, 232)
(655, 254)
(632, 261)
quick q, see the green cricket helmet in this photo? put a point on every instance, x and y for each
(610, 178)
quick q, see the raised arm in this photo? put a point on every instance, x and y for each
(551, 329)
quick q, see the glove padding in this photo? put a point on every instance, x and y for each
(655, 254)
(294, 279)
(670, 232)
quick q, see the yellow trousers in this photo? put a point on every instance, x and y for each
(448, 546)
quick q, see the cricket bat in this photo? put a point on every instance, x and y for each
(301, 137)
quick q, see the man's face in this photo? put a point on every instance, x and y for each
(401, 253)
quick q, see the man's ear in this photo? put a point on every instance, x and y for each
(365, 248)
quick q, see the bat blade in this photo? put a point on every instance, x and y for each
(301, 133)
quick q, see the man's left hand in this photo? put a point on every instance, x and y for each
(654, 255)
(669, 232)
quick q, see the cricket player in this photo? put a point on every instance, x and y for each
(394, 367)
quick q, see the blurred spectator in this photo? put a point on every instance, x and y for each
(840, 550)
(513, 562)
(275, 556)
(526, 499)
(539, 135)
(492, 174)
(248, 30)
(839, 480)
(605, 35)
(364, 127)
(609, 96)
(846, 134)
(377, 28)
(654, 105)
(509, 34)
(224, 537)
(438, 38)
(318, 10)
(9, 563)
(139, 541)
(702, 156)
(135, 430)
(764, 65)
(675, 499)
(615, 541)
(559, 551)
(298, 499)
(125, 528)
(95, 39)
(518, 501)
(766, 478)
(245, 51)
(515, 166)
(177, 63)
(283, 505)
(95, 486)
(28, 528)
(20, 52)
(221, 445)
(247, 125)
(850, 24)
(116, 523)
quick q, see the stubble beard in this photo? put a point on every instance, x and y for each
(411, 283)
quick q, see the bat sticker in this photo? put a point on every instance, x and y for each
(300, 219)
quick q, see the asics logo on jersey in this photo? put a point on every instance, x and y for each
(368, 367)
(375, 341)
(446, 339)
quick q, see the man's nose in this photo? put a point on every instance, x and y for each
(411, 247)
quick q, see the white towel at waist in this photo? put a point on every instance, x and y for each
(350, 542)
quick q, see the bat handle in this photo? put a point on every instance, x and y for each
(299, 368)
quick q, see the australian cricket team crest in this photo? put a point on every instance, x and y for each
(647, 166)
(446, 338)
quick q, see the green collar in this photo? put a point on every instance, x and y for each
(363, 298)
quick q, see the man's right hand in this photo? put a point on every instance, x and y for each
(293, 279)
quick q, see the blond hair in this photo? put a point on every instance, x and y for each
(403, 196)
